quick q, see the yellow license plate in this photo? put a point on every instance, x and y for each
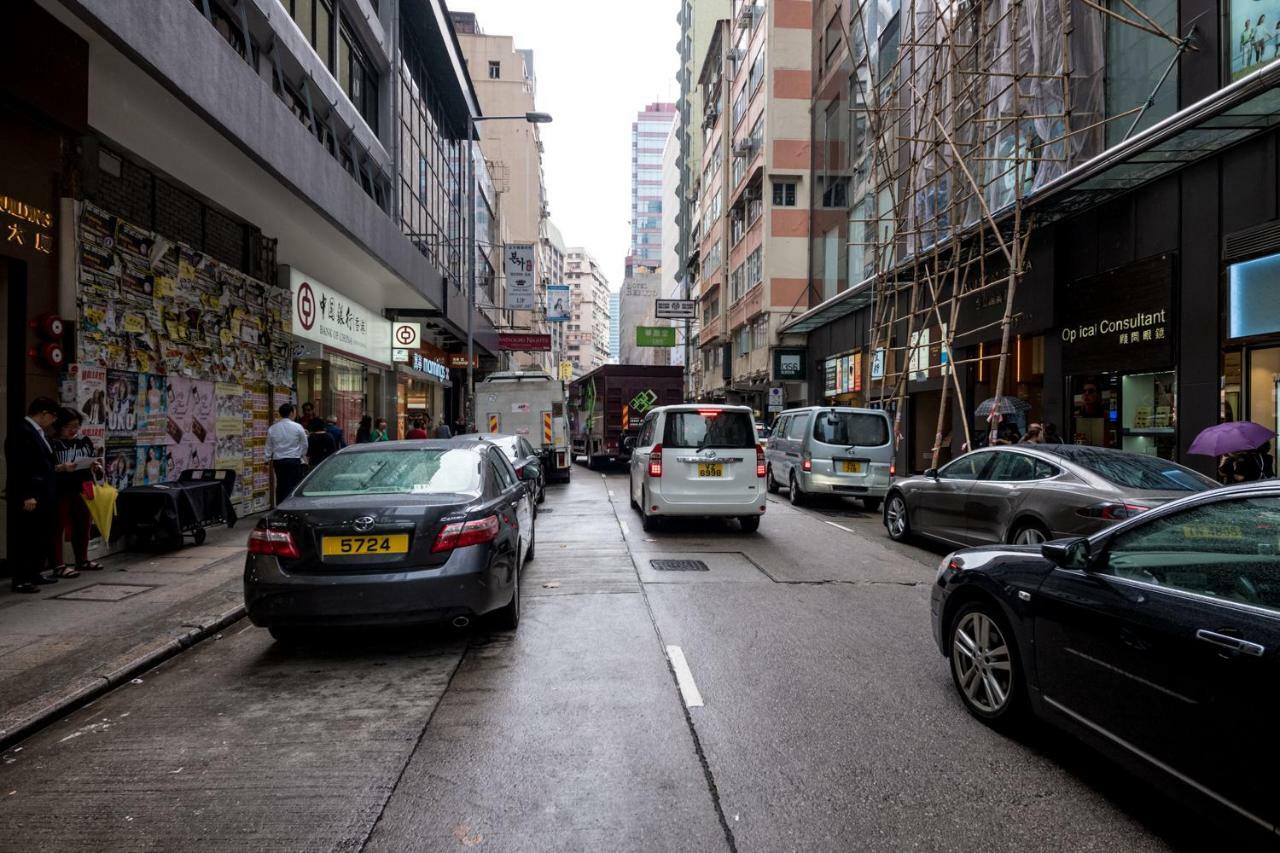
(710, 469)
(359, 546)
(851, 467)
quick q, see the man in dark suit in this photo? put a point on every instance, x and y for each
(32, 494)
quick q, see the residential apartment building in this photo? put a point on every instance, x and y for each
(587, 335)
(615, 326)
(1130, 201)
(753, 220)
(648, 138)
(505, 85)
(293, 175)
(551, 268)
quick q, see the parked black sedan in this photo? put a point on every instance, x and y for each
(1157, 640)
(394, 533)
(528, 464)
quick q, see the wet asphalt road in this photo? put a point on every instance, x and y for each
(828, 719)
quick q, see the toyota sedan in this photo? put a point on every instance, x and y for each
(394, 533)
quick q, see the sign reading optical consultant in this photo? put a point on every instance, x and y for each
(325, 316)
(518, 266)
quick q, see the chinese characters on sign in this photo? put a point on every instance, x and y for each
(655, 336)
(30, 230)
(518, 266)
(323, 315)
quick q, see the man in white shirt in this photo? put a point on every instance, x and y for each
(286, 448)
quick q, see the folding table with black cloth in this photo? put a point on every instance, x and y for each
(200, 498)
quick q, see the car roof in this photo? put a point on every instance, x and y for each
(859, 409)
(701, 407)
(415, 444)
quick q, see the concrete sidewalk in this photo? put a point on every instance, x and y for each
(80, 637)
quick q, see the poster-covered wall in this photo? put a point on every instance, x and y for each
(177, 358)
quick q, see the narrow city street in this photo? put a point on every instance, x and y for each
(815, 714)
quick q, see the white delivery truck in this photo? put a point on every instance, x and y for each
(528, 403)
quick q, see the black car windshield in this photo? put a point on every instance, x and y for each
(1133, 470)
(851, 428)
(709, 428)
(396, 472)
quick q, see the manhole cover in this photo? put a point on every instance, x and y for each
(105, 592)
(679, 566)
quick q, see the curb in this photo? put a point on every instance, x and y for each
(30, 717)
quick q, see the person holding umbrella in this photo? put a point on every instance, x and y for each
(1242, 447)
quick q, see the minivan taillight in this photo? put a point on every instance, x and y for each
(273, 543)
(807, 465)
(759, 461)
(459, 534)
(655, 461)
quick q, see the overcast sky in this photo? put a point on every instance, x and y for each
(598, 63)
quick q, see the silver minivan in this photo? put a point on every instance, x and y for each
(832, 450)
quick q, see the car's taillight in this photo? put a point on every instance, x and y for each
(459, 534)
(1112, 511)
(759, 461)
(273, 543)
(807, 465)
(655, 461)
(893, 469)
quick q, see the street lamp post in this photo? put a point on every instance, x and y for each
(531, 118)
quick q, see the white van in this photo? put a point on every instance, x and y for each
(530, 404)
(832, 450)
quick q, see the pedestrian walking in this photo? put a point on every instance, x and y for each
(442, 430)
(417, 431)
(380, 430)
(1265, 456)
(1034, 435)
(286, 448)
(364, 433)
(33, 494)
(320, 443)
(339, 437)
(76, 463)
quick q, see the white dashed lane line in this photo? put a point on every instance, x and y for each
(841, 526)
(684, 678)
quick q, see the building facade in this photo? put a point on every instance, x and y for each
(551, 266)
(215, 250)
(615, 326)
(587, 335)
(671, 270)
(753, 220)
(1138, 313)
(648, 138)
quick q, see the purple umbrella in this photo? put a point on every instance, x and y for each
(1230, 437)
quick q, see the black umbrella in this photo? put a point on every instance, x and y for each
(1001, 406)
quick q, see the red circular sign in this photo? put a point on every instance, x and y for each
(306, 306)
(405, 335)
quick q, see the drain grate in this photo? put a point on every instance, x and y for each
(105, 592)
(679, 566)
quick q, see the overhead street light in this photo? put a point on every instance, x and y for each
(531, 118)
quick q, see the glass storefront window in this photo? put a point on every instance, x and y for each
(347, 379)
(1255, 297)
(1135, 412)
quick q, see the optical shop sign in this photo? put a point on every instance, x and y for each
(1121, 318)
(325, 316)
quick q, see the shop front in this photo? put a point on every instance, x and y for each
(1251, 361)
(1118, 358)
(420, 393)
(843, 379)
(343, 364)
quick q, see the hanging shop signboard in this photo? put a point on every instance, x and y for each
(406, 335)
(514, 342)
(788, 364)
(429, 366)
(1121, 317)
(675, 309)
(518, 266)
(323, 315)
(655, 336)
(559, 305)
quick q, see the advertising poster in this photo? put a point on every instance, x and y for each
(1254, 40)
(187, 456)
(154, 426)
(228, 409)
(90, 395)
(121, 463)
(151, 467)
(122, 403)
(518, 266)
(559, 305)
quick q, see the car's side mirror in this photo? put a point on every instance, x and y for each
(529, 472)
(931, 473)
(629, 442)
(1068, 553)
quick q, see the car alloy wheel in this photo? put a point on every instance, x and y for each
(770, 483)
(895, 518)
(1032, 534)
(508, 618)
(793, 491)
(982, 663)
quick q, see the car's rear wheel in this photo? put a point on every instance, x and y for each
(895, 518)
(508, 618)
(770, 483)
(542, 492)
(793, 491)
(631, 493)
(985, 665)
(285, 636)
(750, 523)
(1029, 533)
(871, 504)
(648, 522)
(533, 539)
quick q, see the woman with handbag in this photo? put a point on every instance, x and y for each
(77, 464)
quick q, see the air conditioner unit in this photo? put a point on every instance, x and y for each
(748, 15)
(736, 54)
(710, 119)
(745, 148)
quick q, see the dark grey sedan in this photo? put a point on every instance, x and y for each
(1027, 494)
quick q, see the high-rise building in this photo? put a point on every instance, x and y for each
(648, 137)
(753, 213)
(672, 273)
(587, 337)
(505, 85)
(615, 326)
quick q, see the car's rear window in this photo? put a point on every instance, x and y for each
(1133, 470)
(851, 428)
(391, 472)
(709, 428)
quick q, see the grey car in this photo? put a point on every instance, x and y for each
(1030, 493)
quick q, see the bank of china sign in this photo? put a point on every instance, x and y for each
(325, 316)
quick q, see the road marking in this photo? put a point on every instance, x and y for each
(841, 526)
(684, 678)
(611, 493)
